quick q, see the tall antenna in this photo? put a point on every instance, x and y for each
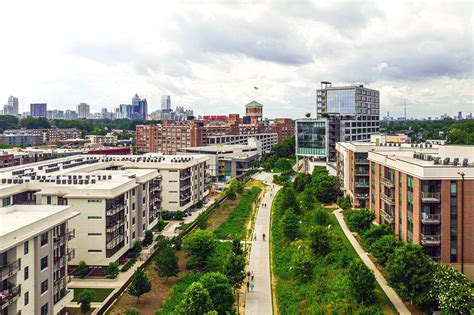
(405, 109)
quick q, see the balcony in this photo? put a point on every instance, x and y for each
(387, 182)
(430, 197)
(185, 176)
(9, 269)
(362, 172)
(387, 216)
(185, 187)
(362, 196)
(362, 184)
(115, 209)
(7, 297)
(115, 241)
(362, 161)
(430, 240)
(63, 238)
(427, 218)
(114, 226)
(387, 199)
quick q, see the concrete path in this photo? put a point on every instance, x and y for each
(391, 294)
(259, 302)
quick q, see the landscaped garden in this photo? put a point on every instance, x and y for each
(98, 294)
(315, 268)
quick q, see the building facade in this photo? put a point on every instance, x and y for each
(83, 110)
(38, 110)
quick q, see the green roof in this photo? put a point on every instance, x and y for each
(254, 104)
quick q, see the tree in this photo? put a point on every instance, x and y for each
(307, 115)
(283, 165)
(362, 282)
(148, 238)
(452, 290)
(288, 200)
(237, 247)
(374, 233)
(306, 198)
(384, 247)
(82, 269)
(166, 262)
(85, 299)
(302, 180)
(112, 270)
(344, 203)
(220, 292)
(291, 224)
(132, 311)
(321, 217)
(140, 284)
(409, 272)
(195, 301)
(320, 241)
(360, 220)
(199, 204)
(137, 247)
(327, 190)
(302, 266)
(202, 222)
(235, 270)
(200, 245)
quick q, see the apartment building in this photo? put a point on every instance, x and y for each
(267, 140)
(38, 136)
(34, 253)
(428, 199)
(101, 139)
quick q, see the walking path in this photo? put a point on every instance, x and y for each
(260, 300)
(391, 294)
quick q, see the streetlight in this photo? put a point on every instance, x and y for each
(462, 221)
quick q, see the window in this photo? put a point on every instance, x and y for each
(93, 217)
(44, 286)
(95, 234)
(44, 309)
(6, 201)
(44, 239)
(48, 200)
(453, 187)
(26, 273)
(133, 221)
(26, 298)
(133, 206)
(133, 235)
(26, 247)
(95, 251)
(44, 262)
(453, 223)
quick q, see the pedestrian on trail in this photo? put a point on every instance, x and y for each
(251, 286)
(263, 236)
(251, 275)
(248, 274)
(255, 236)
(248, 286)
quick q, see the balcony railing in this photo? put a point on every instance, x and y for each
(387, 216)
(184, 187)
(387, 199)
(7, 297)
(69, 235)
(115, 241)
(362, 172)
(361, 196)
(427, 218)
(9, 269)
(387, 182)
(115, 225)
(115, 209)
(361, 161)
(362, 184)
(430, 197)
(430, 239)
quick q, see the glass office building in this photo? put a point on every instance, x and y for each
(311, 137)
(341, 101)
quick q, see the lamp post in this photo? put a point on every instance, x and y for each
(462, 221)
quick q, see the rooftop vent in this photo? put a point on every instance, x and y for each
(446, 161)
(465, 162)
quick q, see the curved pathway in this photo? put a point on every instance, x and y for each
(391, 294)
(259, 302)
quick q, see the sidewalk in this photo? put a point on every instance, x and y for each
(391, 294)
(260, 300)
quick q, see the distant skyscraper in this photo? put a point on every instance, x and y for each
(70, 114)
(83, 110)
(38, 109)
(166, 102)
(139, 108)
(13, 102)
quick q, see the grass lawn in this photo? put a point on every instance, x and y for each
(100, 294)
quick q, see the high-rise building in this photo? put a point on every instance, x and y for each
(139, 108)
(38, 109)
(255, 111)
(166, 102)
(70, 114)
(83, 110)
(13, 103)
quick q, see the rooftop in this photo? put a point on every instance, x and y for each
(254, 104)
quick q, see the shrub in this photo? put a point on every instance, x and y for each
(179, 215)
(362, 282)
(85, 299)
(199, 204)
(320, 241)
(82, 269)
(112, 270)
(128, 265)
(360, 220)
(160, 225)
(137, 247)
(321, 217)
(166, 215)
(383, 248)
(374, 233)
(148, 238)
(344, 203)
(302, 266)
(291, 224)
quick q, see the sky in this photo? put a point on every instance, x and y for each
(209, 55)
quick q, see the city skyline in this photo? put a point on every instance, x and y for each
(206, 58)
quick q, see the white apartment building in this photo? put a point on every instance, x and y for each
(100, 139)
(34, 253)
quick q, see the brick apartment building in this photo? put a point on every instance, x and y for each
(39, 136)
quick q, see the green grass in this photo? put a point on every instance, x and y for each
(235, 223)
(328, 290)
(100, 294)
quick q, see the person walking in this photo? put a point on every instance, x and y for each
(255, 236)
(251, 286)
(263, 236)
(251, 275)
(248, 274)
(248, 286)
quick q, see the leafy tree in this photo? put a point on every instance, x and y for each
(112, 270)
(362, 282)
(328, 190)
(140, 284)
(166, 215)
(202, 222)
(34, 123)
(289, 200)
(235, 270)
(160, 225)
(307, 115)
(452, 290)
(196, 300)
(374, 233)
(360, 220)
(283, 165)
(82, 269)
(132, 311)
(237, 247)
(200, 245)
(8, 122)
(166, 262)
(321, 217)
(179, 215)
(291, 224)
(199, 204)
(137, 247)
(383, 248)
(320, 241)
(148, 238)
(85, 299)
(220, 292)
(409, 272)
(344, 203)
(306, 198)
(302, 266)
(302, 180)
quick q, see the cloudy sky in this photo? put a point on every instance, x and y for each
(208, 55)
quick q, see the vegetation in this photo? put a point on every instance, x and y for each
(179, 215)
(166, 262)
(235, 223)
(220, 292)
(196, 300)
(360, 220)
(279, 160)
(112, 270)
(374, 233)
(140, 284)
(326, 187)
(148, 238)
(344, 203)
(132, 311)
(200, 245)
(362, 282)
(128, 265)
(160, 225)
(82, 269)
(84, 299)
(384, 247)
(98, 294)
(235, 270)
(137, 247)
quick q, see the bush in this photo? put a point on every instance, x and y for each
(160, 225)
(128, 265)
(148, 238)
(374, 233)
(82, 269)
(302, 266)
(85, 299)
(291, 224)
(344, 203)
(112, 270)
(199, 204)
(166, 215)
(179, 215)
(137, 247)
(132, 311)
(320, 241)
(362, 282)
(321, 217)
(383, 248)
(360, 220)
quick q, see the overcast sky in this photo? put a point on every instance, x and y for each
(209, 55)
